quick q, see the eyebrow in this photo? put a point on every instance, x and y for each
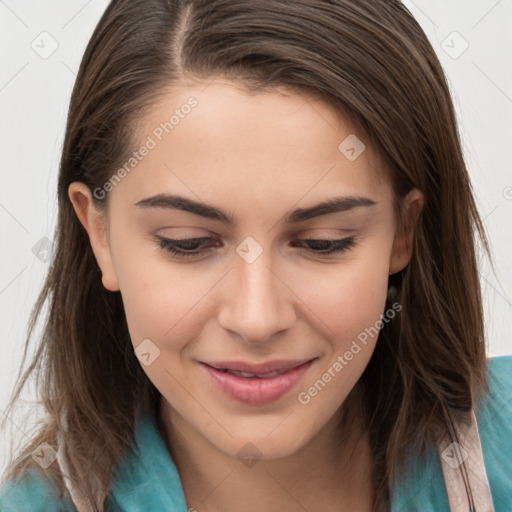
(333, 205)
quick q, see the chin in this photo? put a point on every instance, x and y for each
(262, 445)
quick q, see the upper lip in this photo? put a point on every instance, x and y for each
(255, 368)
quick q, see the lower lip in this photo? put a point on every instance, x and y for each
(254, 390)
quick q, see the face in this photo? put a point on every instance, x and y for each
(286, 296)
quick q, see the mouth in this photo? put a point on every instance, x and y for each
(257, 369)
(248, 375)
(256, 384)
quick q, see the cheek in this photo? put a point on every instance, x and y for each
(347, 297)
(350, 308)
(164, 307)
(348, 302)
(159, 297)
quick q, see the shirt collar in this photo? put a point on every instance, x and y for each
(147, 478)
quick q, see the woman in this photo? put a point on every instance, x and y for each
(265, 292)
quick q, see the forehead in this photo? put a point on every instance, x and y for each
(219, 140)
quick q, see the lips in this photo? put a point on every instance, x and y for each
(257, 368)
(256, 384)
(257, 375)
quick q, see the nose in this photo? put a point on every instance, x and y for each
(258, 303)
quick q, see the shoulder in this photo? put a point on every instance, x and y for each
(494, 417)
(423, 488)
(494, 412)
(500, 375)
(33, 491)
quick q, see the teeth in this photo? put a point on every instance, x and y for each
(244, 374)
(258, 375)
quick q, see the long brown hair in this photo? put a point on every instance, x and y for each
(370, 61)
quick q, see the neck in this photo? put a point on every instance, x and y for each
(332, 472)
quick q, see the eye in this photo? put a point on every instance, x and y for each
(185, 247)
(189, 247)
(325, 246)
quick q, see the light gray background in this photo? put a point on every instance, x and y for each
(34, 93)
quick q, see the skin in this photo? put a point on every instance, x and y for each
(258, 157)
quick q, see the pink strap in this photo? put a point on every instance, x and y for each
(79, 501)
(469, 451)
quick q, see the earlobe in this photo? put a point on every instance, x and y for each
(94, 222)
(402, 246)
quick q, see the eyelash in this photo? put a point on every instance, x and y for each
(169, 245)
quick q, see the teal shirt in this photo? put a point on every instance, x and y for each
(148, 481)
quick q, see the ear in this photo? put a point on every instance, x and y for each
(402, 246)
(94, 221)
